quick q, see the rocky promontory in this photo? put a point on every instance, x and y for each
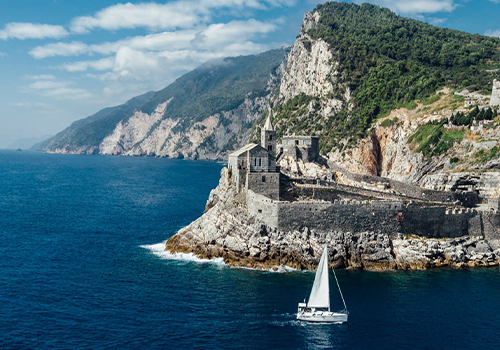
(227, 229)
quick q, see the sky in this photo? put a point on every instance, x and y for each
(63, 60)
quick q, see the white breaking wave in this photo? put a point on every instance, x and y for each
(158, 250)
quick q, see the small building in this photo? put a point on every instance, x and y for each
(300, 147)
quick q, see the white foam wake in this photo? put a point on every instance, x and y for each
(158, 250)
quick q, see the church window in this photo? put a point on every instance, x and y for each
(270, 137)
(255, 161)
(269, 147)
(263, 179)
(297, 142)
(260, 161)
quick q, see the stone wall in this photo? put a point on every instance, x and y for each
(263, 208)
(301, 147)
(375, 216)
(264, 183)
(379, 216)
(495, 94)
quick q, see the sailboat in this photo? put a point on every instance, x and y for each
(317, 309)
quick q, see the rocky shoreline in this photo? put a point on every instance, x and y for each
(228, 230)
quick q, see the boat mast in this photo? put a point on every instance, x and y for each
(345, 307)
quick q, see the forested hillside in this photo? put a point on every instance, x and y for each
(388, 61)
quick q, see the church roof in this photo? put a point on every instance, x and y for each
(243, 149)
(268, 125)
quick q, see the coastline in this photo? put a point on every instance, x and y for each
(229, 231)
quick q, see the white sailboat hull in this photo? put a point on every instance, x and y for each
(322, 317)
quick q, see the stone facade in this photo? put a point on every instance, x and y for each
(254, 166)
(300, 147)
(495, 94)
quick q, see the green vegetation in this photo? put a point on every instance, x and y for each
(483, 156)
(389, 61)
(430, 100)
(460, 118)
(389, 122)
(432, 139)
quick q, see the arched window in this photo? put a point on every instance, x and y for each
(260, 161)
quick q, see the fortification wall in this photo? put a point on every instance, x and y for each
(491, 225)
(263, 208)
(354, 216)
(386, 217)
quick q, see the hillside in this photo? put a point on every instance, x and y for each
(379, 62)
(200, 115)
(81, 135)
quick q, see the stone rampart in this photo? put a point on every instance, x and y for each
(263, 208)
(379, 216)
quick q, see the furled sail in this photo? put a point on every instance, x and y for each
(320, 293)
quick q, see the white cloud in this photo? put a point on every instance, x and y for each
(234, 31)
(24, 31)
(41, 77)
(415, 6)
(172, 15)
(81, 66)
(146, 15)
(212, 37)
(58, 90)
(436, 20)
(74, 48)
(493, 33)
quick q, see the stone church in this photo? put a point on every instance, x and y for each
(254, 166)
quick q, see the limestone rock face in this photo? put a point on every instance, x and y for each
(150, 135)
(310, 69)
(495, 94)
(229, 231)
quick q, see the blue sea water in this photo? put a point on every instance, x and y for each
(81, 267)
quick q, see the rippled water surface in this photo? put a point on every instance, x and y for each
(81, 266)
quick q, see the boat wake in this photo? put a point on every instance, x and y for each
(158, 250)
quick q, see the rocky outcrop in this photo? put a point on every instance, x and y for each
(229, 231)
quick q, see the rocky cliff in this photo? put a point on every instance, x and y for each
(229, 231)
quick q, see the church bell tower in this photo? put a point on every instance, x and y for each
(268, 137)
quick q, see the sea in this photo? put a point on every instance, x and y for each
(82, 266)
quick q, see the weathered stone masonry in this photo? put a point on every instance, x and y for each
(379, 216)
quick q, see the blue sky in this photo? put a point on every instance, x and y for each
(62, 60)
